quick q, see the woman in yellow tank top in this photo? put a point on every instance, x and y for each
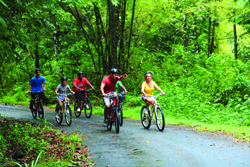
(147, 90)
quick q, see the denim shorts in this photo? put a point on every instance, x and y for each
(144, 97)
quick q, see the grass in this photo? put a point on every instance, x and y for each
(132, 110)
(25, 143)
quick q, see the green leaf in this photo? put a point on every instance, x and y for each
(3, 22)
(3, 3)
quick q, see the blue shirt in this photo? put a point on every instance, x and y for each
(36, 84)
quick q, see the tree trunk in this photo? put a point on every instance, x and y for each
(122, 50)
(209, 31)
(56, 35)
(86, 38)
(99, 40)
(113, 36)
(131, 28)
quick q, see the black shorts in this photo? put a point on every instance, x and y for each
(79, 94)
(33, 95)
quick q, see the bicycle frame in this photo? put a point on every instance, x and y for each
(155, 105)
(84, 97)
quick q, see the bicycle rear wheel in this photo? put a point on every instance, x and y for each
(145, 118)
(120, 114)
(40, 110)
(77, 114)
(160, 121)
(33, 111)
(60, 116)
(88, 108)
(68, 115)
(109, 125)
(117, 122)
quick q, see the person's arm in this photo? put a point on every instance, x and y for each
(88, 83)
(122, 77)
(44, 86)
(91, 86)
(123, 87)
(71, 91)
(142, 90)
(159, 89)
(102, 89)
(57, 91)
(29, 88)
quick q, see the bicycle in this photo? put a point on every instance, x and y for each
(85, 103)
(37, 107)
(113, 114)
(120, 110)
(66, 111)
(159, 116)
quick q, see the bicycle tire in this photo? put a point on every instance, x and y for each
(117, 122)
(60, 117)
(88, 109)
(145, 119)
(77, 114)
(33, 112)
(120, 112)
(40, 110)
(160, 121)
(68, 115)
(109, 125)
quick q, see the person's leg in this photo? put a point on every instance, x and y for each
(60, 105)
(149, 102)
(32, 101)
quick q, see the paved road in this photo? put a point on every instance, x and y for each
(135, 146)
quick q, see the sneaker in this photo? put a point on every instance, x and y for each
(145, 111)
(105, 123)
(78, 110)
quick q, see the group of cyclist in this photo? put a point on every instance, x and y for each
(110, 84)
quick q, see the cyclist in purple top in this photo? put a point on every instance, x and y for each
(36, 86)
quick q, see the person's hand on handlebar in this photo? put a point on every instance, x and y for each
(57, 94)
(29, 91)
(163, 93)
(126, 92)
(105, 95)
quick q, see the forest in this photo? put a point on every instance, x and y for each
(197, 51)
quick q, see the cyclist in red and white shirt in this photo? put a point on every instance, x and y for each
(107, 86)
(79, 84)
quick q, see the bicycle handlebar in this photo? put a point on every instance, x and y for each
(158, 95)
(86, 90)
(65, 94)
(37, 92)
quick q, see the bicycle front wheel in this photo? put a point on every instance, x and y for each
(68, 115)
(59, 118)
(33, 111)
(88, 109)
(145, 118)
(77, 114)
(117, 122)
(120, 115)
(40, 110)
(160, 121)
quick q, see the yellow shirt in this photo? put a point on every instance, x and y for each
(148, 90)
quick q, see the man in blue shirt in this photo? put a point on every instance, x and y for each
(36, 86)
